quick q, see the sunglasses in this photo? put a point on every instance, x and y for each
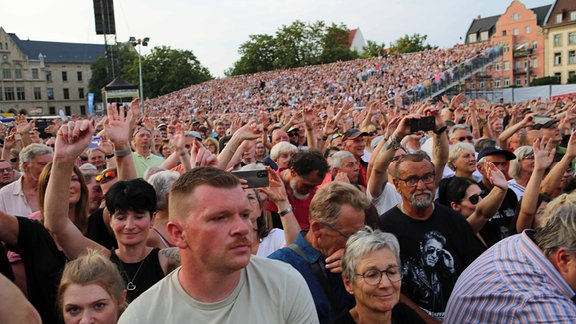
(108, 175)
(474, 199)
(463, 138)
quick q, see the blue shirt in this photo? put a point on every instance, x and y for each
(512, 282)
(321, 300)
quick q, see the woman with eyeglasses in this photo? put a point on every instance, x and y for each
(520, 170)
(371, 271)
(465, 196)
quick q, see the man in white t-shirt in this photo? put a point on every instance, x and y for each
(219, 281)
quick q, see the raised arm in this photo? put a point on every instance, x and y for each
(510, 130)
(308, 115)
(276, 192)
(543, 157)
(71, 140)
(440, 142)
(552, 181)
(117, 126)
(249, 131)
(490, 204)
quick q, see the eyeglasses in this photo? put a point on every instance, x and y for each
(108, 175)
(474, 199)
(463, 138)
(344, 235)
(412, 181)
(373, 277)
(8, 169)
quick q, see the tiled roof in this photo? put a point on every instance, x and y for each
(351, 34)
(56, 52)
(482, 24)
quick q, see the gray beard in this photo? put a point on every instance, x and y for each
(421, 202)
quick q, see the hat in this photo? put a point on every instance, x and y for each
(545, 124)
(162, 125)
(193, 134)
(353, 133)
(493, 150)
(292, 129)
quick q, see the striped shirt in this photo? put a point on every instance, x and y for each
(512, 282)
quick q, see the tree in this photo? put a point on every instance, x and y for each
(296, 45)
(335, 45)
(410, 44)
(373, 49)
(125, 59)
(545, 81)
(166, 70)
(257, 55)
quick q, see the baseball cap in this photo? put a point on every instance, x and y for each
(353, 133)
(493, 150)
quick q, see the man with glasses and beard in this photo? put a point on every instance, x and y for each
(412, 221)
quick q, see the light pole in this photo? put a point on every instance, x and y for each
(140, 42)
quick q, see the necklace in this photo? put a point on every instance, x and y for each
(130, 286)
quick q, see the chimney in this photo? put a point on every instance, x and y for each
(479, 17)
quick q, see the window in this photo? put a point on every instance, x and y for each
(66, 93)
(497, 67)
(557, 58)
(1, 96)
(572, 15)
(18, 73)
(64, 76)
(526, 63)
(37, 93)
(6, 74)
(515, 16)
(518, 81)
(481, 85)
(506, 82)
(81, 93)
(571, 74)
(20, 94)
(68, 110)
(472, 38)
(0, 46)
(558, 18)
(79, 75)
(571, 38)
(558, 40)
(517, 65)
(82, 110)
(534, 62)
(484, 36)
(50, 93)
(506, 65)
(515, 31)
(9, 93)
(558, 75)
(572, 57)
(504, 32)
(527, 29)
(534, 44)
(49, 76)
(52, 110)
(497, 83)
(35, 74)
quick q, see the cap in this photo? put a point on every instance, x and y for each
(193, 134)
(353, 133)
(292, 129)
(546, 124)
(162, 125)
(493, 150)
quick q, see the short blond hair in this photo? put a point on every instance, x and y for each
(328, 201)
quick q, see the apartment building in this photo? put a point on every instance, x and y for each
(44, 78)
(560, 40)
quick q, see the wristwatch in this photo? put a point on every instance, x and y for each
(285, 211)
(441, 130)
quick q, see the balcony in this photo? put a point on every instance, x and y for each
(522, 70)
(522, 52)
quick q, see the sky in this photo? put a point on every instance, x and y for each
(214, 29)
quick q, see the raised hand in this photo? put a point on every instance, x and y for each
(117, 124)
(22, 125)
(72, 139)
(543, 152)
(249, 131)
(276, 191)
(495, 176)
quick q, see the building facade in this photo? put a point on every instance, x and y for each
(44, 78)
(560, 40)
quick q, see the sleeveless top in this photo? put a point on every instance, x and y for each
(150, 273)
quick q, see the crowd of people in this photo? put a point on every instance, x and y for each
(372, 211)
